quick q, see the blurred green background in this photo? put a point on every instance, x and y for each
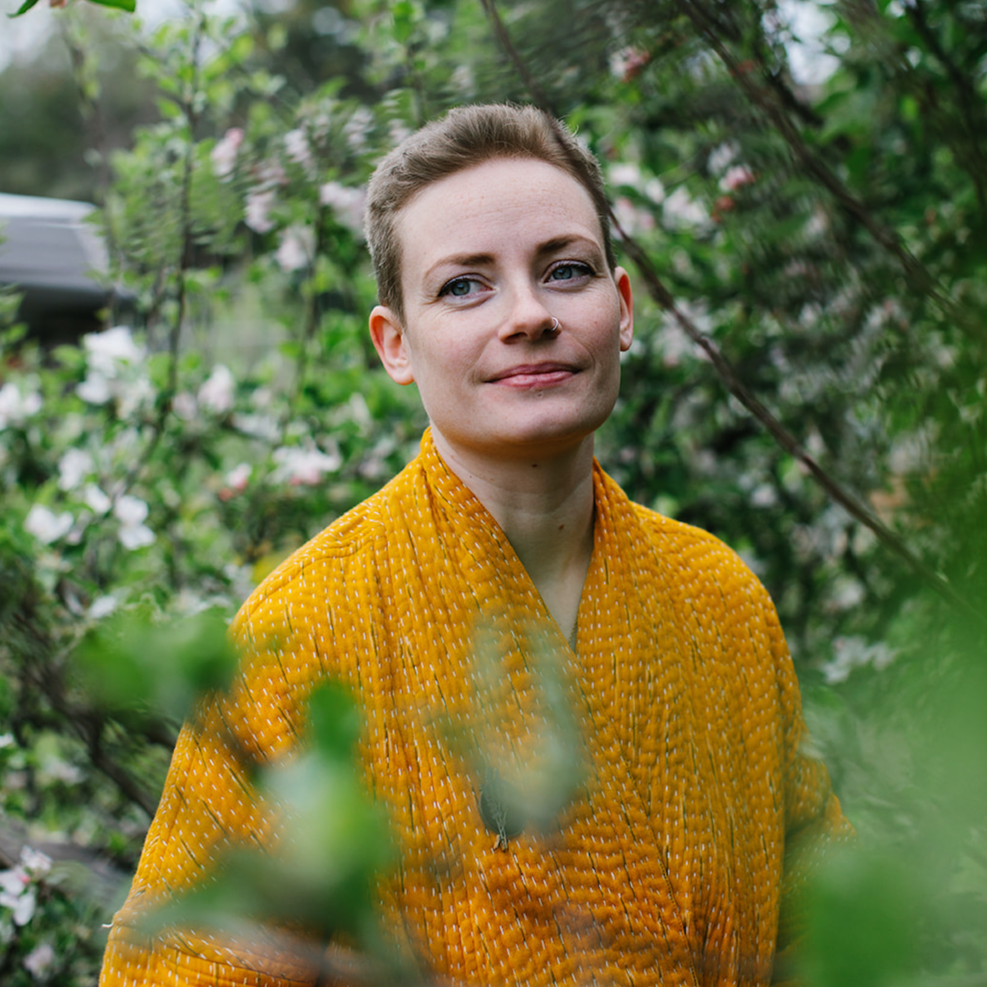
(805, 185)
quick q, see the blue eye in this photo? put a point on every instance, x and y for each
(569, 272)
(459, 287)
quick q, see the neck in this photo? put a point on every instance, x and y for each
(544, 504)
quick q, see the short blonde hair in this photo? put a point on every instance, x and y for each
(467, 136)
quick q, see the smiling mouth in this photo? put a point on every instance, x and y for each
(535, 373)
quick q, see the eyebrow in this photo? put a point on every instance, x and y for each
(479, 259)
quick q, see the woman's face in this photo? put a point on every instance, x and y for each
(491, 257)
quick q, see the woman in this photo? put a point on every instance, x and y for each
(500, 569)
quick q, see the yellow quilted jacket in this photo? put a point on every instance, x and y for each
(666, 866)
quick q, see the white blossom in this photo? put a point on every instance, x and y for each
(296, 248)
(258, 210)
(114, 363)
(131, 512)
(854, 652)
(225, 152)
(96, 500)
(258, 426)
(346, 202)
(95, 389)
(304, 465)
(17, 894)
(102, 607)
(39, 961)
(106, 351)
(133, 394)
(15, 407)
(654, 190)
(626, 173)
(721, 157)
(74, 466)
(46, 525)
(217, 392)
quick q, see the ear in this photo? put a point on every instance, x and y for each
(623, 282)
(391, 344)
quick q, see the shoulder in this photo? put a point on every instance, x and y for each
(699, 569)
(688, 545)
(353, 539)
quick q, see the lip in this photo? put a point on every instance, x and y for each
(531, 374)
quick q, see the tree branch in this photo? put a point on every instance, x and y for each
(663, 297)
(918, 276)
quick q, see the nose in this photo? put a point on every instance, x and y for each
(528, 317)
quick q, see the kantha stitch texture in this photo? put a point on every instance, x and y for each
(667, 864)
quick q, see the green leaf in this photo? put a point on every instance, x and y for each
(129, 5)
(24, 8)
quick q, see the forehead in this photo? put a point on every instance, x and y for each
(476, 208)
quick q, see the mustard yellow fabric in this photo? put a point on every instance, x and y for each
(667, 865)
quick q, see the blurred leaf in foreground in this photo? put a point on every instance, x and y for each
(134, 669)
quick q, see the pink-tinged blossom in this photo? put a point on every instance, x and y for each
(17, 885)
(239, 477)
(355, 129)
(15, 407)
(681, 211)
(184, 406)
(39, 961)
(346, 202)
(632, 219)
(296, 248)
(271, 173)
(628, 62)
(224, 154)
(218, 392)
(735, 177)
(235, 481)
(46, 525)
(297, 147)
(258, 210)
